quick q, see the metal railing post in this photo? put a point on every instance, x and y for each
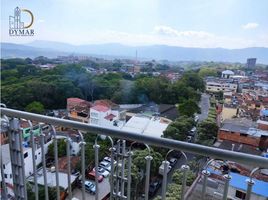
(117, 169)
(147, 181)
(33, 161)
(112, 149)
(130, 153)
(164, 185)
(17, 160)
(56, 162)
(82, 144)
(4, 129)
(123, 168)
(204, 187)
(250, 184)
(68, 141)
(227, 178)
(96, 147)
(185, 169)
(44, 165)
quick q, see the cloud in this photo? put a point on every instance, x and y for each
(40, 21)
(168, 31)
(251, 25)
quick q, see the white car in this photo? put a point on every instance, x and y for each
(102, 172)
(106, 165)
(108, 159)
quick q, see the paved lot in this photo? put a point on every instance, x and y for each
(104, 189)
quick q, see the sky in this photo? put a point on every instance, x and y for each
(189, 23)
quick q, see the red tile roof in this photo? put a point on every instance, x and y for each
(110, 117)
(75, 100)
(100, 108)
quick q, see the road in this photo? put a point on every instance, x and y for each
(204, 105)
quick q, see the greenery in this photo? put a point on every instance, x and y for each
(173, 192)
(41, 192)
(61, 148)
(178, 175)
(179, 129)
(189, 108)
(35, 107)
(23, 83)
(207, 132)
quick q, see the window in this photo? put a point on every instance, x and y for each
(240, 195)
(5, 175)
(94, 114)
(10, 175)
(26, 155)
(4, 166)
(243, 134)
(35, 157)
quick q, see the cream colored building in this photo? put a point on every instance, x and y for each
(218, 86)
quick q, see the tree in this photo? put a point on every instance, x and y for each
(140, 162)
(61, 149)
(52, 193)
(179, 129)
(206, 71)
(207, 132)
(173, 192)
(193, 80)
(188, 108)
(178, 175)
(35, 107)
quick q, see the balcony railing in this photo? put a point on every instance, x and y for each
(119, 180)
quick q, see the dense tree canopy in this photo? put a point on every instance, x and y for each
(23, 83)
(179, 129)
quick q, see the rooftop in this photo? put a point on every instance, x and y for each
(100, 108)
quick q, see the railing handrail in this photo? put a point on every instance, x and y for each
(212, 152)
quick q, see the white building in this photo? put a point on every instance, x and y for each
(227, 74)
(146, 125)
(214, 86)
(104, 116)
(6, 161)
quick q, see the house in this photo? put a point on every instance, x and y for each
(27, 160)
(220, 85)
(78, 109)
(107, 114)
(243, 131)
(227, 74)
(237, 187)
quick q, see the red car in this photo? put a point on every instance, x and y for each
(91, 175)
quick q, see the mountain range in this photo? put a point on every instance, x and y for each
(115, 50)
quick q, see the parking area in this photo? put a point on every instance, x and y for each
(104, 189)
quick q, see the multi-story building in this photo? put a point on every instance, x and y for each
(217, 86)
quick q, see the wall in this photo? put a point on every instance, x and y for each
(236, 137)
(232, 191)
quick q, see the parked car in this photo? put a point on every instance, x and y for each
(106, 165)
(90, 187)
(192, 132)
(173, 161)
(91, 175)
(154, 186)
(196, 119)
(102, 171)
(161, 169)
(108, 159)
